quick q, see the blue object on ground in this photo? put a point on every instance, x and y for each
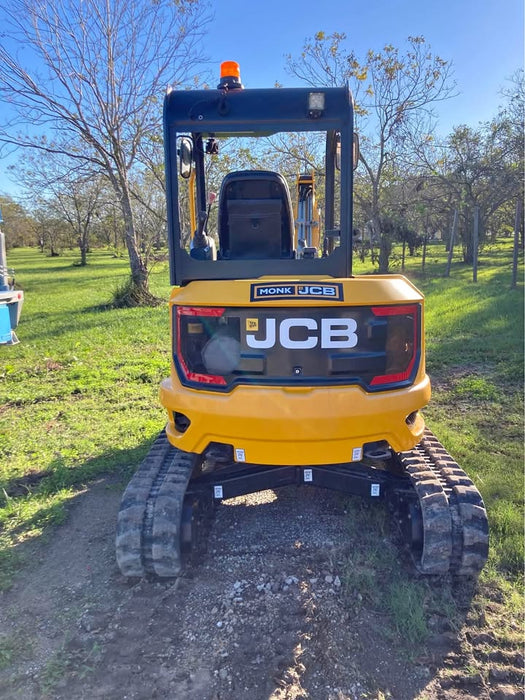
(5, 324)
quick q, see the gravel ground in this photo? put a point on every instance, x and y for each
(263, 613)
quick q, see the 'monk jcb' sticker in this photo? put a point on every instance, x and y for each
(296, 290)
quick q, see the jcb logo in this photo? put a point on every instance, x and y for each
(333, 333)
(310, 290)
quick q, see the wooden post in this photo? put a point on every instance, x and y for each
(475, 245)
(424, 257)
(451, 243)
(403, 256)
(517, 224)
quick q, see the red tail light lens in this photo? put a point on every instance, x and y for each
(402, 343)
(207, 344)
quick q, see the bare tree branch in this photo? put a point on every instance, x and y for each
(98, 70)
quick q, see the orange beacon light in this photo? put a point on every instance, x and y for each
(230, 76)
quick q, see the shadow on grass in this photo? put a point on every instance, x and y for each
(24, 485)
(85, 320)
(57, 476)
(34, 504)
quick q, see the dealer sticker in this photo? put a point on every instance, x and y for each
(296, 290)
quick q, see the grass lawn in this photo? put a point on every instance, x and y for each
(474, 336)
(79, 394)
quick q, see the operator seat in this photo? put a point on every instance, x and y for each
(255, 216)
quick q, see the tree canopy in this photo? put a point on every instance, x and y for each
(395, 92)
(95, 96)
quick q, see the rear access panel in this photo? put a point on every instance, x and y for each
(296, 372)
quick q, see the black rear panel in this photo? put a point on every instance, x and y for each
(376, 347)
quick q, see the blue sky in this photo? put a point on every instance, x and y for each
(483, 39)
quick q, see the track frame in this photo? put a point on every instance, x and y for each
(440, 512)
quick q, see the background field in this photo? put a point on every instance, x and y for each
(78, 395)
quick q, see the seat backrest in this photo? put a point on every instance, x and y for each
(255, 216)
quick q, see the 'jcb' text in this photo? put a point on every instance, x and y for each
(332, 333)
(311, 290)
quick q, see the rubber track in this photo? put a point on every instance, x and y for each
(148, 525)
(455, 522)
(455, 527)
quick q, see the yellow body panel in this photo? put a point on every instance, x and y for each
(358, 291)
(297, 425)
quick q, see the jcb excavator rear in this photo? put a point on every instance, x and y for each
(286, 368)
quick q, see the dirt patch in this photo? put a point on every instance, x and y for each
(25, 484)
(264, 613)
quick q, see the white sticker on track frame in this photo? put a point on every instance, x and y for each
(375, 490)
(240, 455)
(217, 492)
(357, 454)
(308, 476)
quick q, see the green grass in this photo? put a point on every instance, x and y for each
(12, 646)
(475, 357)
(406, 603)
(377, 579)
(79, 394)
(474, 349)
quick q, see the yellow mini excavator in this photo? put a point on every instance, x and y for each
(286, 368)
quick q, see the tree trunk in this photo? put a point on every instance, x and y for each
(136, 292)
(515, 256)
(83, 246)
(83, 252)
(475, 245)
(385, 249)
(385, 244)
(451, 243)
